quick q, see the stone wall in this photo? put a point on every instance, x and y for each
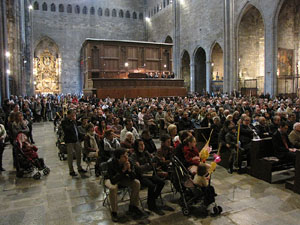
(69, 30)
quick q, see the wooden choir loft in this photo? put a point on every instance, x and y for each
(128, 69)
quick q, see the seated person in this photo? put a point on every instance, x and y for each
(283, 148)
(191, 154)
(146, 174)
(201, 180)
(150, 124)
(164, 153)
(128, 142)
(185, 122)
(262, 129)
(148, 141)
(110, 143)
(91, 142)
(172, 130)
(120, 171)
(294, 136)
(179, 148)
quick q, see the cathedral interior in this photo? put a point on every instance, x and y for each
(70, 47)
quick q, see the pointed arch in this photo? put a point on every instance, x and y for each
(168, 39)
(114, 13)
(61, 8)
(44, 6)
(92, 11)
(217, 67)
(36, 5)
(251, 49)
(53, 7)
(185, 68)
(121, 13)
(200, 70)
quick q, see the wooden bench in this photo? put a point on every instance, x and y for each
(295, 184)
(263, 162)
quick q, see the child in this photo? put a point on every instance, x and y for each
(201, 180)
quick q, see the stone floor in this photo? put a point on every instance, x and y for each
(60, 199)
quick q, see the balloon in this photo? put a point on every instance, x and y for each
(217, 158)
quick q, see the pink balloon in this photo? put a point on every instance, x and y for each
(217, 158)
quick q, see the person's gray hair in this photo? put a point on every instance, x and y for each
(128, 134)
(295, 125)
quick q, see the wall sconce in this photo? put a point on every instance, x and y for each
(34, 82)
(126, 64)
(7, 54)
(212, 64)
(8, 71)
(147, 19)
(165, 66)
(30, 7)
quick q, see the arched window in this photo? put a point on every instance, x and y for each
(127, 15)
(154, 10)
(77, 9)
(69, 9)
(121, 13)
(106, 13)
(44, 6)
(36, 6)
(61, 8)
(151, 12)
(92, 11)
(157, 8)
(168, 2)
(100, 12)
(134, 16)
(84, 10)
(164, 3)
(114, 13)
(141, 16)
(53, 7)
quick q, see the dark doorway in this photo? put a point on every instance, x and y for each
(200, 71)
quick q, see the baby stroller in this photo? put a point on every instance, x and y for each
(190, 194)
(28, 162)
(61, 144)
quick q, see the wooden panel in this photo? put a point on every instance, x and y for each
(111, 51)
(132, 53)
(141, 92)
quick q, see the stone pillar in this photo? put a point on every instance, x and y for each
(208, 76)
(192, 74)
(176, 35)
(270, 79)
(230, 75)
(4, 82)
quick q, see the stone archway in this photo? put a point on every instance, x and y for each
(251, 51)
(217, 71)
(288, 52)
(47, 67)
(200, 71)
(185, 69)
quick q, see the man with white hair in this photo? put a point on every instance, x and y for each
(294, 136)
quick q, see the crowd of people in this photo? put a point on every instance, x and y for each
(121, 132)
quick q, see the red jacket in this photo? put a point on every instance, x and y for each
(189, 154)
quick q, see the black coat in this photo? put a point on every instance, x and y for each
(278, 145)
(246, 135)
(70, 127)
(115, 173)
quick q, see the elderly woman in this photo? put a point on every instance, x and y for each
(172, 130)
(294, 136)
(128, 142)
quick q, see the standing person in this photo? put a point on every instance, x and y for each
(72, 141)
(2, 144)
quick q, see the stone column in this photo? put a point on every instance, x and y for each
(208, 76)
(192, 74)
(270, 79)
(4, 82)
(176, 35)
(230, 76)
